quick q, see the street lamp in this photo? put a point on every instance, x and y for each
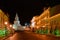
(5, 26)
(6, 23)
(10, 25)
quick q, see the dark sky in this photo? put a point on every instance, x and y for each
(26, 9)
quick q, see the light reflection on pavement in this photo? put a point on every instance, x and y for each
(31, 36)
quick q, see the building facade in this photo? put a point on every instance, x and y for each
(3, 19)
(49, 19)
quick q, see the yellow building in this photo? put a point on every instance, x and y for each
(3, 19)
(55, 21)
(50, 18)
(42, 19)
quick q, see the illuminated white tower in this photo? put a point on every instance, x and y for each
(16, 24)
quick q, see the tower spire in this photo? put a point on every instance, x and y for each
(16, 17)
(16, 24)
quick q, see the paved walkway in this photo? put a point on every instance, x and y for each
(24, 35)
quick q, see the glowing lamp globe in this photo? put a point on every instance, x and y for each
(6, 23)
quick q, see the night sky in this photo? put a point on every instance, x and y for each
(26, 9)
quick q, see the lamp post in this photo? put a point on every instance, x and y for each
(5, 27)
(11, 29)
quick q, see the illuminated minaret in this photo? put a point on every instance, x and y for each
(16, 24)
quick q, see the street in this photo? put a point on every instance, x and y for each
(25, 35)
